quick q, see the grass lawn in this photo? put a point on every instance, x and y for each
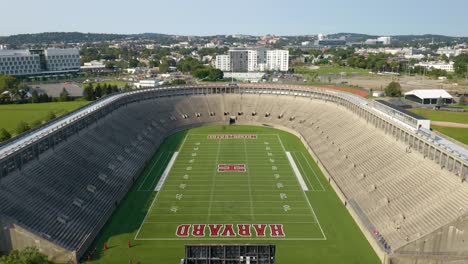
(457, 117)
(118, 83)
(317, 227)
(330, 70)
(12, 114)
(460, 134)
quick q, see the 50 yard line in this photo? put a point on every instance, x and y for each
(214, 180)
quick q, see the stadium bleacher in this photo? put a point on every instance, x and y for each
(66, 195)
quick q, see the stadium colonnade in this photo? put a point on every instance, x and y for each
(404, 186)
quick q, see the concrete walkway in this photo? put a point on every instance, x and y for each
(449, 124)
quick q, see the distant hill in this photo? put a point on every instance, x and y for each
(404, 39)
(75, 37)
(78, 37)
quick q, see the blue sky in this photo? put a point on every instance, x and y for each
(257, 17)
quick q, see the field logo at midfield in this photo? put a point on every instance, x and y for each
(231, 168)
(230, 230)
(233, 136)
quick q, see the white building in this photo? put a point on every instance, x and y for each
(278, 60)
(93, 65)
(380, 40)
(259, 59)
(437, 65)
(223, 62)
(253, 77)
(35, 62)
(449, 52)
(385, 40)
(148, 83)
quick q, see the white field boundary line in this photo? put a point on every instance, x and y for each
(322, 189)
(312, 168)
(165, 159)
(307, 199)
(166, 172)
(151, 169)
(297, 172)
(154, 200)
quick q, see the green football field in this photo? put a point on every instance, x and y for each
(232, 184)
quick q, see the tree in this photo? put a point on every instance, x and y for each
(64, 95)
(98, 91)
(201, 73)
(108, 89)
(22, 127)
(461, 64)
(4, 134)
(461, 101)
(440, 102)
(393, 89)
(29, 255)
(127, 88)
(164, 67)
(178, 81)
(88, 92)
(7, 82)
(44, 98)
(215, 75)
(35, 97)
(115, 88)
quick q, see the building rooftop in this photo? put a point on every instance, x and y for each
(430, 93)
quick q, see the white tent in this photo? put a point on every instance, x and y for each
(429, 96)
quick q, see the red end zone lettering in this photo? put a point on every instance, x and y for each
(231, 168)
(229, 230)
(232, 136)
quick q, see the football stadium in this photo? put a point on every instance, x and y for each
(237, 173)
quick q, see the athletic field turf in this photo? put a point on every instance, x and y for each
(232, 184)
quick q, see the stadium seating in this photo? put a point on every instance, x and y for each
(68, 193)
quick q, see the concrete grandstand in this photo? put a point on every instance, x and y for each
(403, 185)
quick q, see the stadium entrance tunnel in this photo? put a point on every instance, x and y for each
(232, 120)
(355, 148)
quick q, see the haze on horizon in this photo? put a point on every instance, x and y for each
(259, 17)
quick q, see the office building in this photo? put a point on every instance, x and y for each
(253, 60)
(39, 61)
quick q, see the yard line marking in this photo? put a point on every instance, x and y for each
(214, 180)
(312, 168)
(248, 182)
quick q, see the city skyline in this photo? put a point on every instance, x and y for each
(209, 17)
